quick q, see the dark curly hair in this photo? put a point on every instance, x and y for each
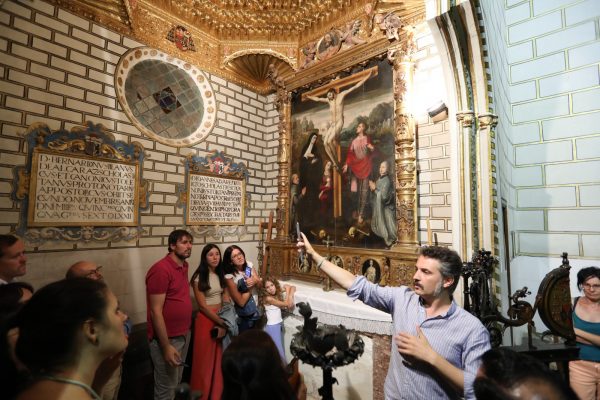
(176, 235)
(450, 262)
(586, 273)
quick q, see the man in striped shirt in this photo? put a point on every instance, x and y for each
(437, 346)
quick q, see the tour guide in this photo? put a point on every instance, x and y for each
(438, 345)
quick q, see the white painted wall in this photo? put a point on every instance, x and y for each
(543, 59)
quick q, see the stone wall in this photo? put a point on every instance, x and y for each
(433, 143)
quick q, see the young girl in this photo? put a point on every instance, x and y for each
(272, 299)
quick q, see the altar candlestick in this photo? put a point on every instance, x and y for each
(428, 233)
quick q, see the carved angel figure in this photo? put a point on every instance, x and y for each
(309, 52)
(390, 23)
(350, 34)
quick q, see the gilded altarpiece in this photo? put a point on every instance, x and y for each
(320, 122)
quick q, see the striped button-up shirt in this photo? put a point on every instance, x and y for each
(457, 336)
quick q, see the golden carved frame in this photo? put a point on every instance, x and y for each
(397, 262)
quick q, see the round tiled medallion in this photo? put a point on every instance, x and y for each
(171, 104)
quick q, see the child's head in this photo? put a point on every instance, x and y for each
(271, 286)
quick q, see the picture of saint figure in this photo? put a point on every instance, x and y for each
(371, 271)
(337, 260)
(383, 205)
(311, 170)
(296, 194)
(304, 265)
(328, 45)
(325, 195)
(340, 133)
(359, 164)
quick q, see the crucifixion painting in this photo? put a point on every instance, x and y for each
(341, 133)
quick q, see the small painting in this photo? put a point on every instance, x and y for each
(371, 270)
(337, 260)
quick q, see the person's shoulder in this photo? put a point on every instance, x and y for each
(161, 262)
(469, 319)
(159, 267)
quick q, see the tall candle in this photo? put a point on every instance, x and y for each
(428, 233)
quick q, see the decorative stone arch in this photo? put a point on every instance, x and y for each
(458, 37)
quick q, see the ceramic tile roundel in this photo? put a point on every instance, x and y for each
(166, 98)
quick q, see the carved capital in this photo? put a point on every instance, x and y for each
(465, 118)
(487, 120)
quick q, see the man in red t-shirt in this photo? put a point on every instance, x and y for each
(169, 312)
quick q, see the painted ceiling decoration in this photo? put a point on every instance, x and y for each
(240, 39)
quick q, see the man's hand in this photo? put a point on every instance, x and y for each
(345, 168)
(416, 347)
(172, 356)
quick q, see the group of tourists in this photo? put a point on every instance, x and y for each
(67, 339)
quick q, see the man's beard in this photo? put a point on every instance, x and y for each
(183, 255)
(438, 289)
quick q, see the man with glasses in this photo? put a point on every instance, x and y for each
(85, 269)
(90, 270)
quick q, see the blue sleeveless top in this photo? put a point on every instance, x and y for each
(587, 351)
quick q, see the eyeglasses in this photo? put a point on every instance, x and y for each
(238, 255)
(589, 286)
(94, 271)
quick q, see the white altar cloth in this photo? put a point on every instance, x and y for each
(335, 308)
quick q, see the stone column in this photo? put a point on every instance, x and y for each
(283, 181)
(468, 183)
(283, 106)
(405, 149)
(487, 172)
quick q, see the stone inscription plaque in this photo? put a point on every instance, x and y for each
(77, 191)
(215, 200)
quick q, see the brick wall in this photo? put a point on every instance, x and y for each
(549, 158)
(57, 68)
(544, 66)
(433, 143)
(555, 110)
